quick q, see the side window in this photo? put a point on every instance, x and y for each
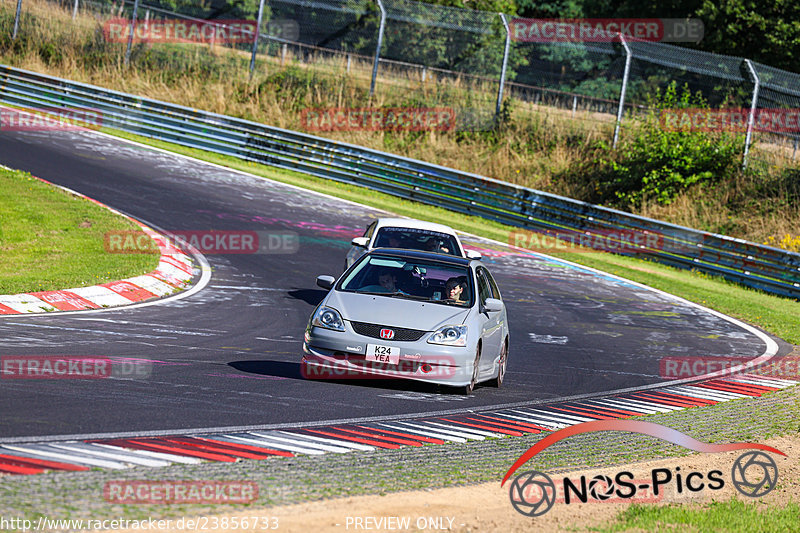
(483, 286)
(370, 229)
(492, 285)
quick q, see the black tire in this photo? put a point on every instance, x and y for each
(502, 365)
(467, 389)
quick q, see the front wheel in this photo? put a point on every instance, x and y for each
(501, 367)
(469, 387)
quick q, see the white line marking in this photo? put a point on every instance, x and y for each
(559, 416)
(325, 447)
(122, 456)
(67, 458)
(458, 429)
(424, 432)
(183, 459)
(331, 440)
(538, 421)
(264, 443)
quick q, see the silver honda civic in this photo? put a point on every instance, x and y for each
(409, 314)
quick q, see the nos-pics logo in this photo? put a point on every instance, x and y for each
(533, 493)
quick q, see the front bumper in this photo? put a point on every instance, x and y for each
(341, 355)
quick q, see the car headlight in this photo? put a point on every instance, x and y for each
(450, 335)
(328, 318)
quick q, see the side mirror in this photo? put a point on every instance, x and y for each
(492, 305)
(326, 282)
(361, 242)
(472, 254)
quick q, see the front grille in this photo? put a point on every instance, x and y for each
(374, 331)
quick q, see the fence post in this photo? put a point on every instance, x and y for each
(256, 37)
(75, 10)
(378, 49)
(16, 20)
(130, 36)
(503, 68)
(621, 108)
(752, 115)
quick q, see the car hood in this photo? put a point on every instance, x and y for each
(398, 312)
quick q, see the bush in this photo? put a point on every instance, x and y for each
(657, 164)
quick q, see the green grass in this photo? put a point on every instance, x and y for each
(50, 239)
(772, 313)
(729, 516)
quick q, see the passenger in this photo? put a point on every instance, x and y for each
(456, 290)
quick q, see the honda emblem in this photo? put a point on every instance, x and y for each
(387, 334)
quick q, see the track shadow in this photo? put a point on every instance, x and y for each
(264, 367)
(309, 296)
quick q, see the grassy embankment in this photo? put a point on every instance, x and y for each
(534, 147)
(50, 239)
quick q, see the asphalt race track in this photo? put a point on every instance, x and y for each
(229, 355)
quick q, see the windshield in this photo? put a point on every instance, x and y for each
(417, 239)
(427, 281)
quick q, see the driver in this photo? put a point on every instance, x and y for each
(388, 281)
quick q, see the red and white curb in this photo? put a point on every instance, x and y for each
(174, 273)
(236, 445)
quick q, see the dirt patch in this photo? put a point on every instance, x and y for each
(487, 507)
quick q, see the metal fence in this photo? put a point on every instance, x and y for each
(770, 269)
(391, 40)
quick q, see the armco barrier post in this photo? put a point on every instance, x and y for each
(133, 28)
(503, 68)
(621, 108)
(378, 49)
(256, 37)
(752, 116)
(16, 20)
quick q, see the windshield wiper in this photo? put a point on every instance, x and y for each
(377, 293)
(409, 296)
(395, 293)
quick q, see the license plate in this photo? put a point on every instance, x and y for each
(383, 354)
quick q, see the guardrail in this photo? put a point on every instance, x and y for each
(763, 267)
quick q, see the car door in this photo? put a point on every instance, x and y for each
(503, 315)
(492, 324)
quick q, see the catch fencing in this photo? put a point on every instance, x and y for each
(397, 41)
